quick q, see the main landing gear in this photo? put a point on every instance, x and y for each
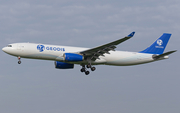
(19, 58)
(84, 69)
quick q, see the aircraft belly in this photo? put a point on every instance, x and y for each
(41, 56)
(128, 59)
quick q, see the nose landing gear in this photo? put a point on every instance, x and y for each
(19, 58)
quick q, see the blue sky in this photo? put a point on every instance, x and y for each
(36, 86)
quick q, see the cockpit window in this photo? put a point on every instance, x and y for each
(9, 46)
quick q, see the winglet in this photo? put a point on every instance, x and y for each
(131, 35)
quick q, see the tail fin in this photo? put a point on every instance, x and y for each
(159, 45)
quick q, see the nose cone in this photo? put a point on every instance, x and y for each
(4, 49)
(9, 50)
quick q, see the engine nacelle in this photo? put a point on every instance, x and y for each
(62, 65)
(72, 57)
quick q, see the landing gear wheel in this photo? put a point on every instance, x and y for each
(88, 66)
(83, 70)
(19, 58)
(19, 62)
(87, 72)
(93, 69)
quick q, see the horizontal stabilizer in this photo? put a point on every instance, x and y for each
(164, 54)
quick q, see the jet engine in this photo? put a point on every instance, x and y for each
(72, 57)
(63, 65)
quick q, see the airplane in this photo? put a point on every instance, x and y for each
(66, 57)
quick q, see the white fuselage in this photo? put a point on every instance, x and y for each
(55, 53)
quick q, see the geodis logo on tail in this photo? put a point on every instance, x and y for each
(159, 43)
(41, 48)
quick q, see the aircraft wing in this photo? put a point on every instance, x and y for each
(94, 53)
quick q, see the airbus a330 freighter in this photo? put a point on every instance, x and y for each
(65, 56)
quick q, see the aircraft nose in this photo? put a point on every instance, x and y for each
(3, 49)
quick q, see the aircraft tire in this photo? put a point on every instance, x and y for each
(87, 72)
(19, 62)
(88, 66)
(93, 69)
(83, 70)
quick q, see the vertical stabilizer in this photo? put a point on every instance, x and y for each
(159, 45)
